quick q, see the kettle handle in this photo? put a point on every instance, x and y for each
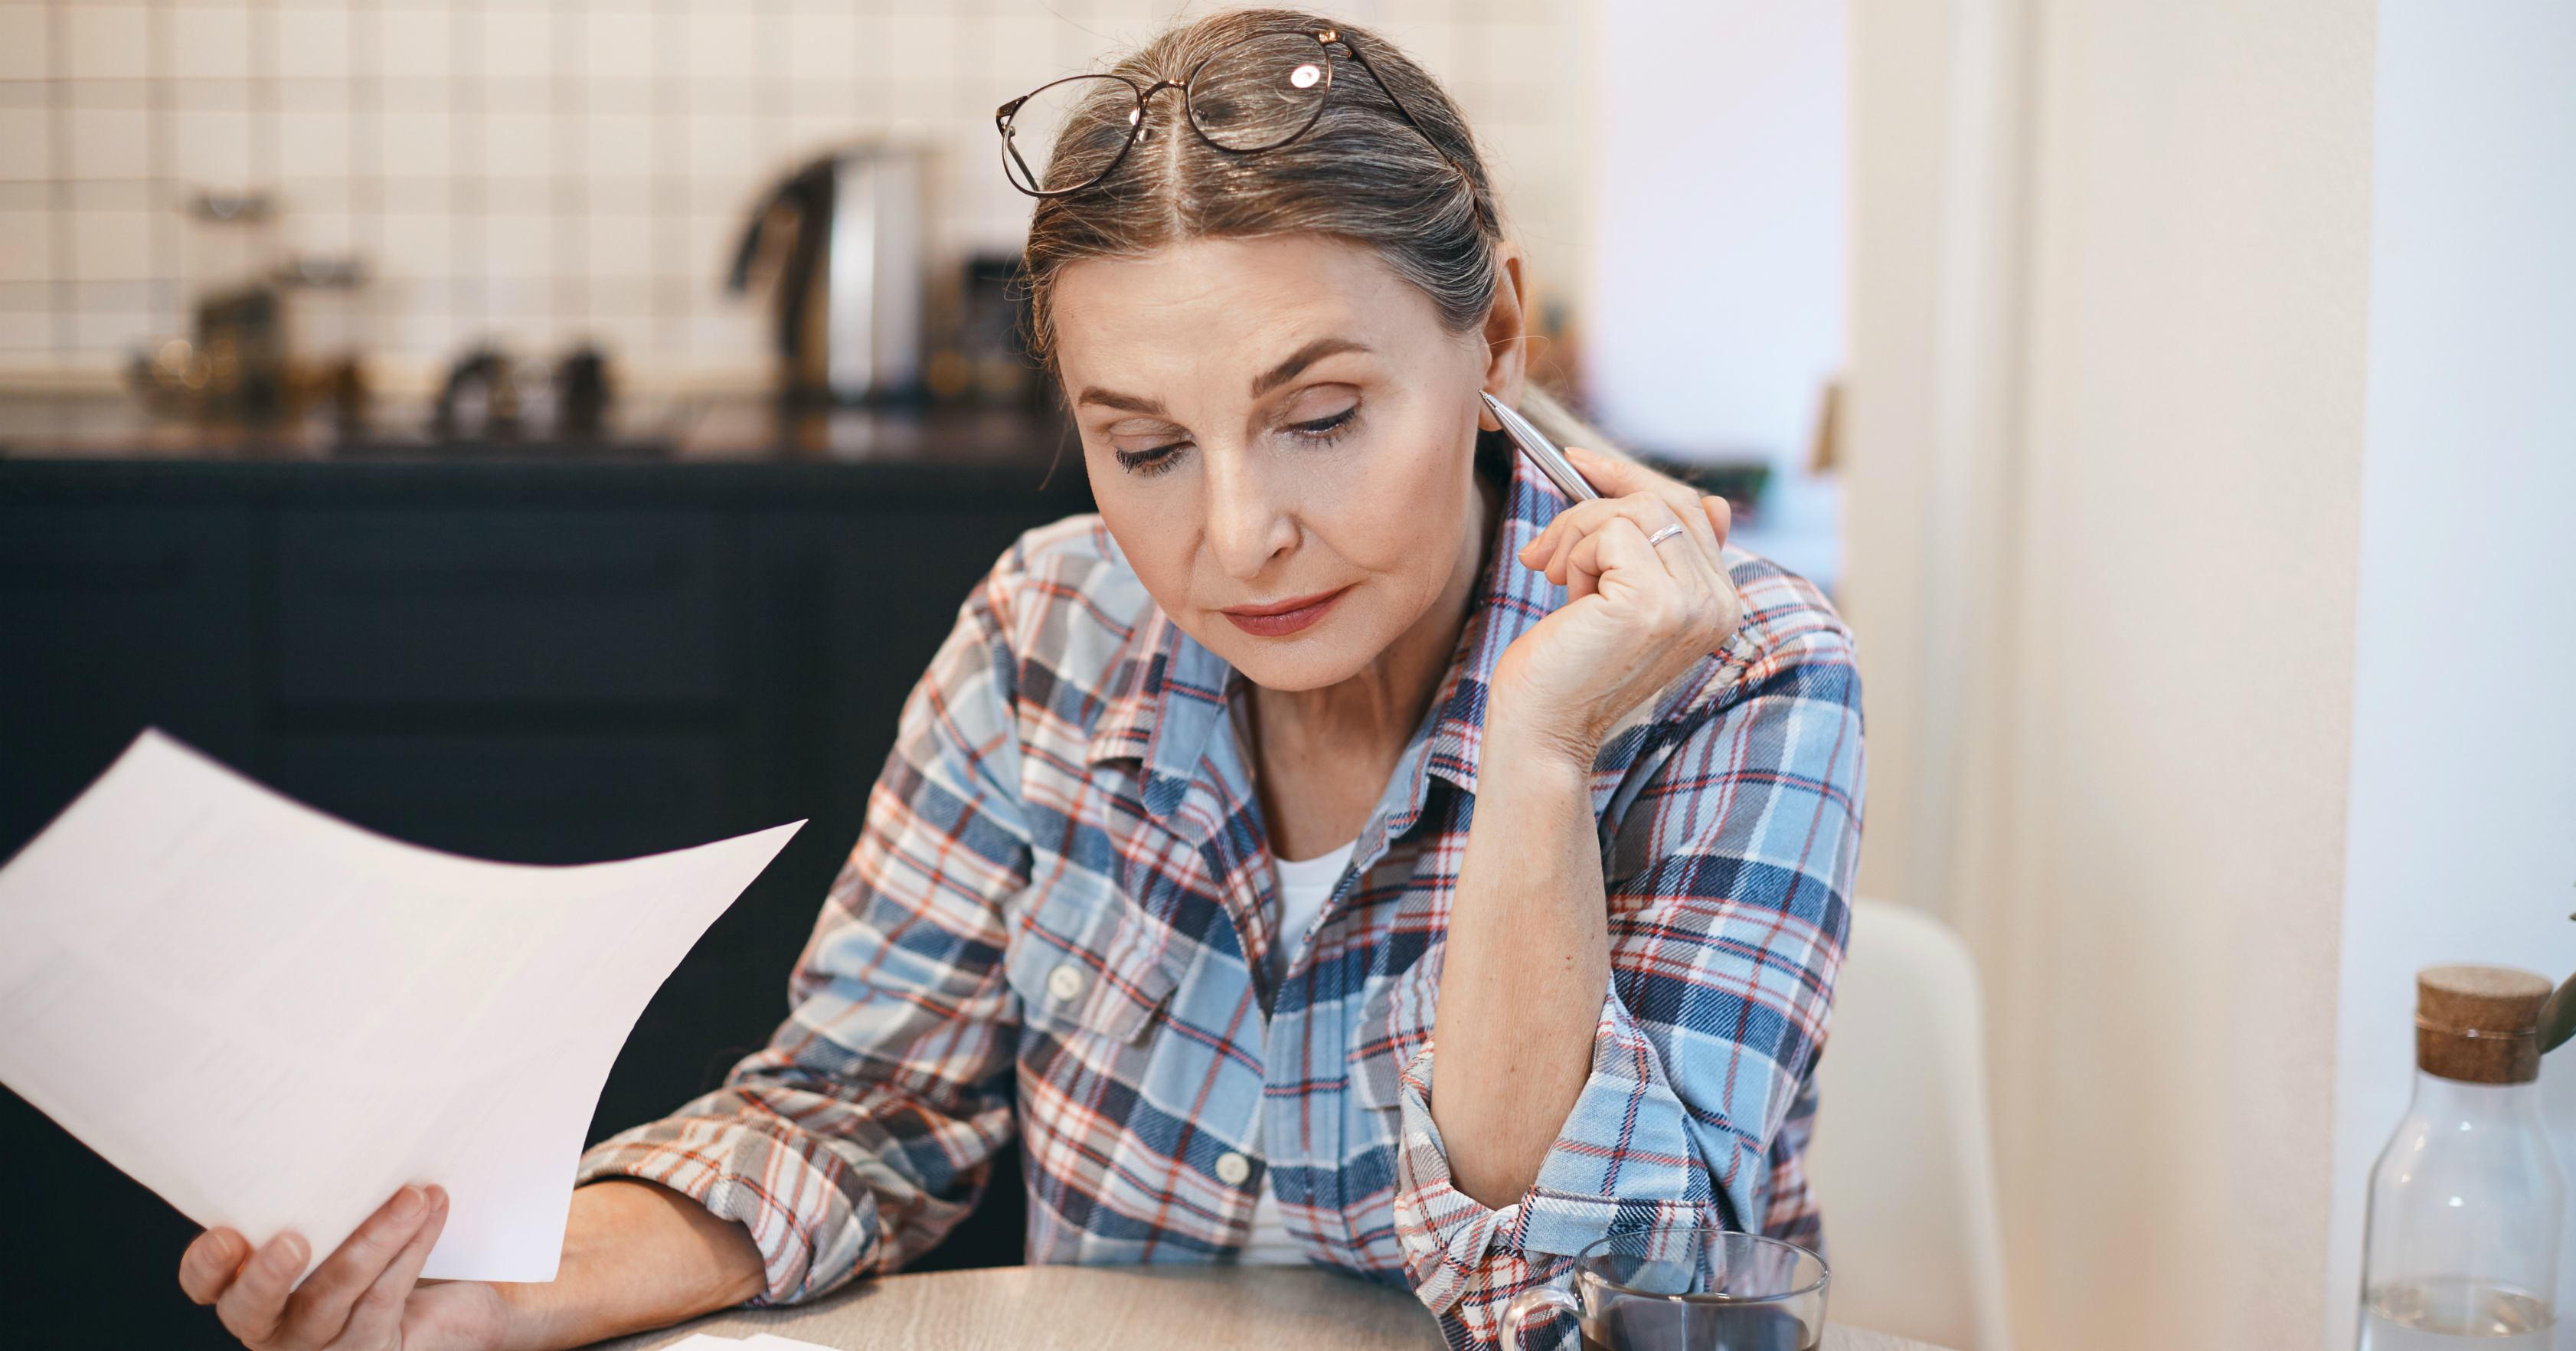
(738, 278)
(806, 190)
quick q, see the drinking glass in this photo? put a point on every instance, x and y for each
(1687, 1288)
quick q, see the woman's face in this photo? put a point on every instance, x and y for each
(1280, 434)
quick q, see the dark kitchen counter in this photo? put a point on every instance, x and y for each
(1032, 481)
(697, 439)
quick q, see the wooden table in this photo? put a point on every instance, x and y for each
(1120, 1308)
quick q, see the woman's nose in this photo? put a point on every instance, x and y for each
(1246, 525)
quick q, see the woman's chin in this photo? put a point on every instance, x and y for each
(1310, 660)
(1295, 673)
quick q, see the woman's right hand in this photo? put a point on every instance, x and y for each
(366, 1296)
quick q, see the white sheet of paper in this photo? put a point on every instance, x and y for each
(275, 1019)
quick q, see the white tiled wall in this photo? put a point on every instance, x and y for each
(541, 170)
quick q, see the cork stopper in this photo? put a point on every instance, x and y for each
(2479, 1024)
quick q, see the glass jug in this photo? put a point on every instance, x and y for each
(2466, 1203)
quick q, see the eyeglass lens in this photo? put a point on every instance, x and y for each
(1100, 110)
(1261, 93)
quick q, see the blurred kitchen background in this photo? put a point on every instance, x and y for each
(545, 172)
(397, 189)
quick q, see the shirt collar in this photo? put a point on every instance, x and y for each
(1168, 694)
(1166, 698)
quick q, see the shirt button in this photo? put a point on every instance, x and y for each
(1232, 1169)
(1065, 981)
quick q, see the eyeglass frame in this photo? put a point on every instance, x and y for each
(1325, 40)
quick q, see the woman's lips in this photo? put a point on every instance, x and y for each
(1282, 618)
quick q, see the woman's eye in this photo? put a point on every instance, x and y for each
(1325, 428)
(1150, 461)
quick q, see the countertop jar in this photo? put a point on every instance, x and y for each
(2467, 1201)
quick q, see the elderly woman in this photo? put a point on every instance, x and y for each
(1341, 849)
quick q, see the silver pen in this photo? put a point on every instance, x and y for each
(1541, 451)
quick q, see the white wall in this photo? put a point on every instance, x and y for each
(2109, 365)
(1715, 252)
(2462, 836)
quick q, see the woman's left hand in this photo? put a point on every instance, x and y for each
(1636, 615)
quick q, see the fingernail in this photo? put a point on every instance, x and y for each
(407, 1203)
(285, 1257)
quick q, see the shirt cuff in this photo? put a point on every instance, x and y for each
(813, 1235)
(1623, 1159)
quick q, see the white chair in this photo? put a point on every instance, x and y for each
(1903, 1160)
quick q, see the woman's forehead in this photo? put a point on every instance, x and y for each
(1225, 303)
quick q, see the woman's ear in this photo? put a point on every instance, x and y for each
(1507, 330)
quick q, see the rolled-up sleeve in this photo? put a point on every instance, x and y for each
(1728, 887)
(863, 1133)
(1624, 1159)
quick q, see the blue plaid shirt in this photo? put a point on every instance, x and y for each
(1057, 919)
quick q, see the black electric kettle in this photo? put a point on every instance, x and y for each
(840, 242)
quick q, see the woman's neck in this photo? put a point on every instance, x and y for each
(1321, 757)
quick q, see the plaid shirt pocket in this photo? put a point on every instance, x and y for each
(1083, 967)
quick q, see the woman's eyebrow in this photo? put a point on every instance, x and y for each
(1304, 357)
(1125, 403)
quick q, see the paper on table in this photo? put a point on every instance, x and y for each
(275, 1019)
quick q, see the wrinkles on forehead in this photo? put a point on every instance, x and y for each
(1231, 319)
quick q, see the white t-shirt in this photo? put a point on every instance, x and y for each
(1303, 890)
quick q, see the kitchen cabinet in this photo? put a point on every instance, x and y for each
(540, 662)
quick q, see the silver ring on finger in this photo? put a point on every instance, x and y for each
(1660, 536)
